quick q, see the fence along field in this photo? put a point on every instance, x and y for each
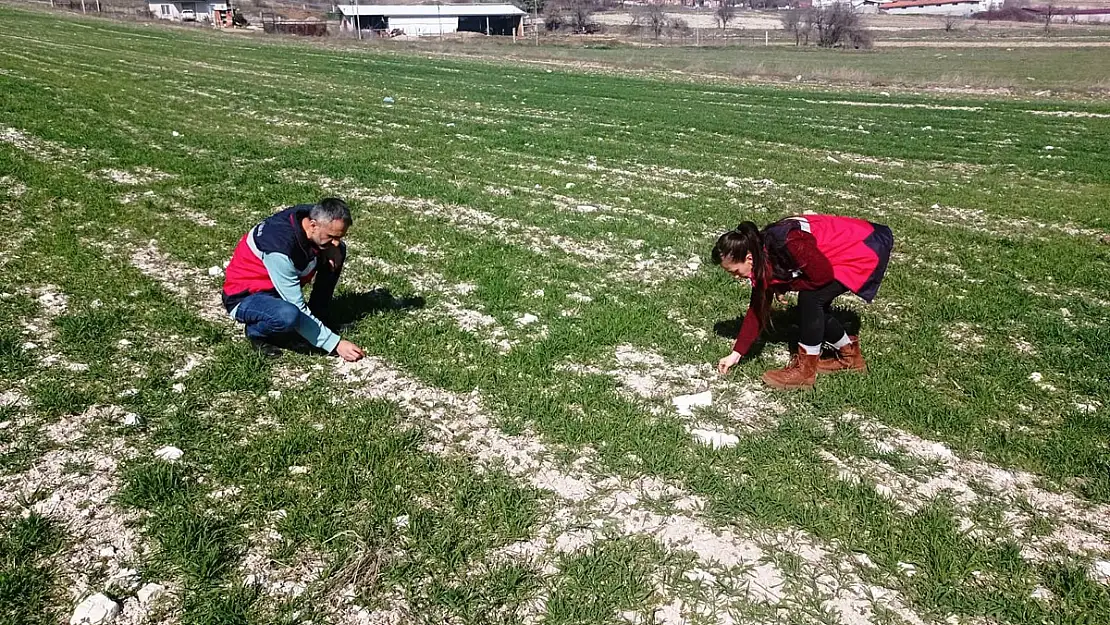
(509, 452)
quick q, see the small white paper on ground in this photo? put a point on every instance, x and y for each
(685, 403)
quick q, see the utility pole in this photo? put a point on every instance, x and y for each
(358, 21)
(536, 20)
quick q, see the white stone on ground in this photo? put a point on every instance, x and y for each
(526, 319)
(169, 454)
(1041, 593)
(151, 593)
(714, 439)
(94, 610)
(1101, 570)
(685, 403)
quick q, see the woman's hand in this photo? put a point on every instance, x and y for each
(728, 362)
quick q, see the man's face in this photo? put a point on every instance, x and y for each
(324, 233)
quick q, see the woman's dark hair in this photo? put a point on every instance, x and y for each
(735, 245)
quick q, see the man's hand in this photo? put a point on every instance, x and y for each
(728, 362)
(349, 351)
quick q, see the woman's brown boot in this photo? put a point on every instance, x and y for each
(800, 373)
(848, 358)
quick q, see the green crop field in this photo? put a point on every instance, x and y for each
(529, 276)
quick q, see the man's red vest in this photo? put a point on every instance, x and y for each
(280, 233)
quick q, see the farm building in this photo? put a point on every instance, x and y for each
(938, 7)
(218, 13)
(425, 19)
(862, 6)
(1071, 14)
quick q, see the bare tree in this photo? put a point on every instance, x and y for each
(809, 22)
(678, 26)
(655, 19)
(792, 23)
(553, 16)
(951, 22)
(838, 25)
(1048, 13)
(726, 11)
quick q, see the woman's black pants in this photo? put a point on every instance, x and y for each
(817, 324)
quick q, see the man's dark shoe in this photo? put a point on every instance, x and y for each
(263, 347)
(290, 341)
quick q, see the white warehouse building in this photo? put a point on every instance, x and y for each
(435, 19)
(961, 8)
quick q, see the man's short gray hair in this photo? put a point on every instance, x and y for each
(329, 209)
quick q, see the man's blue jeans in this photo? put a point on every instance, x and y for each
(267, 315)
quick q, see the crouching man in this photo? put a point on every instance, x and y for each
(271, 264)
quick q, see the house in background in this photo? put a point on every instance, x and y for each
(431, 19)
(218, 13)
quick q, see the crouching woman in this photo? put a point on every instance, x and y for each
(819, 256)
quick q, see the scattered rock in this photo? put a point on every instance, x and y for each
(864, 561)
(108, 552)
(684, 404)
(151, 593)
(298, 470)
(124, 579)
(907, 569)
(401, 521)
(1036, 376)
(130, 419)
(714, 439)
(1041, 594)
(1101, 570)
(169, 454)
(215, 271)
(526, 319)
(570, 185)
(94, 610)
